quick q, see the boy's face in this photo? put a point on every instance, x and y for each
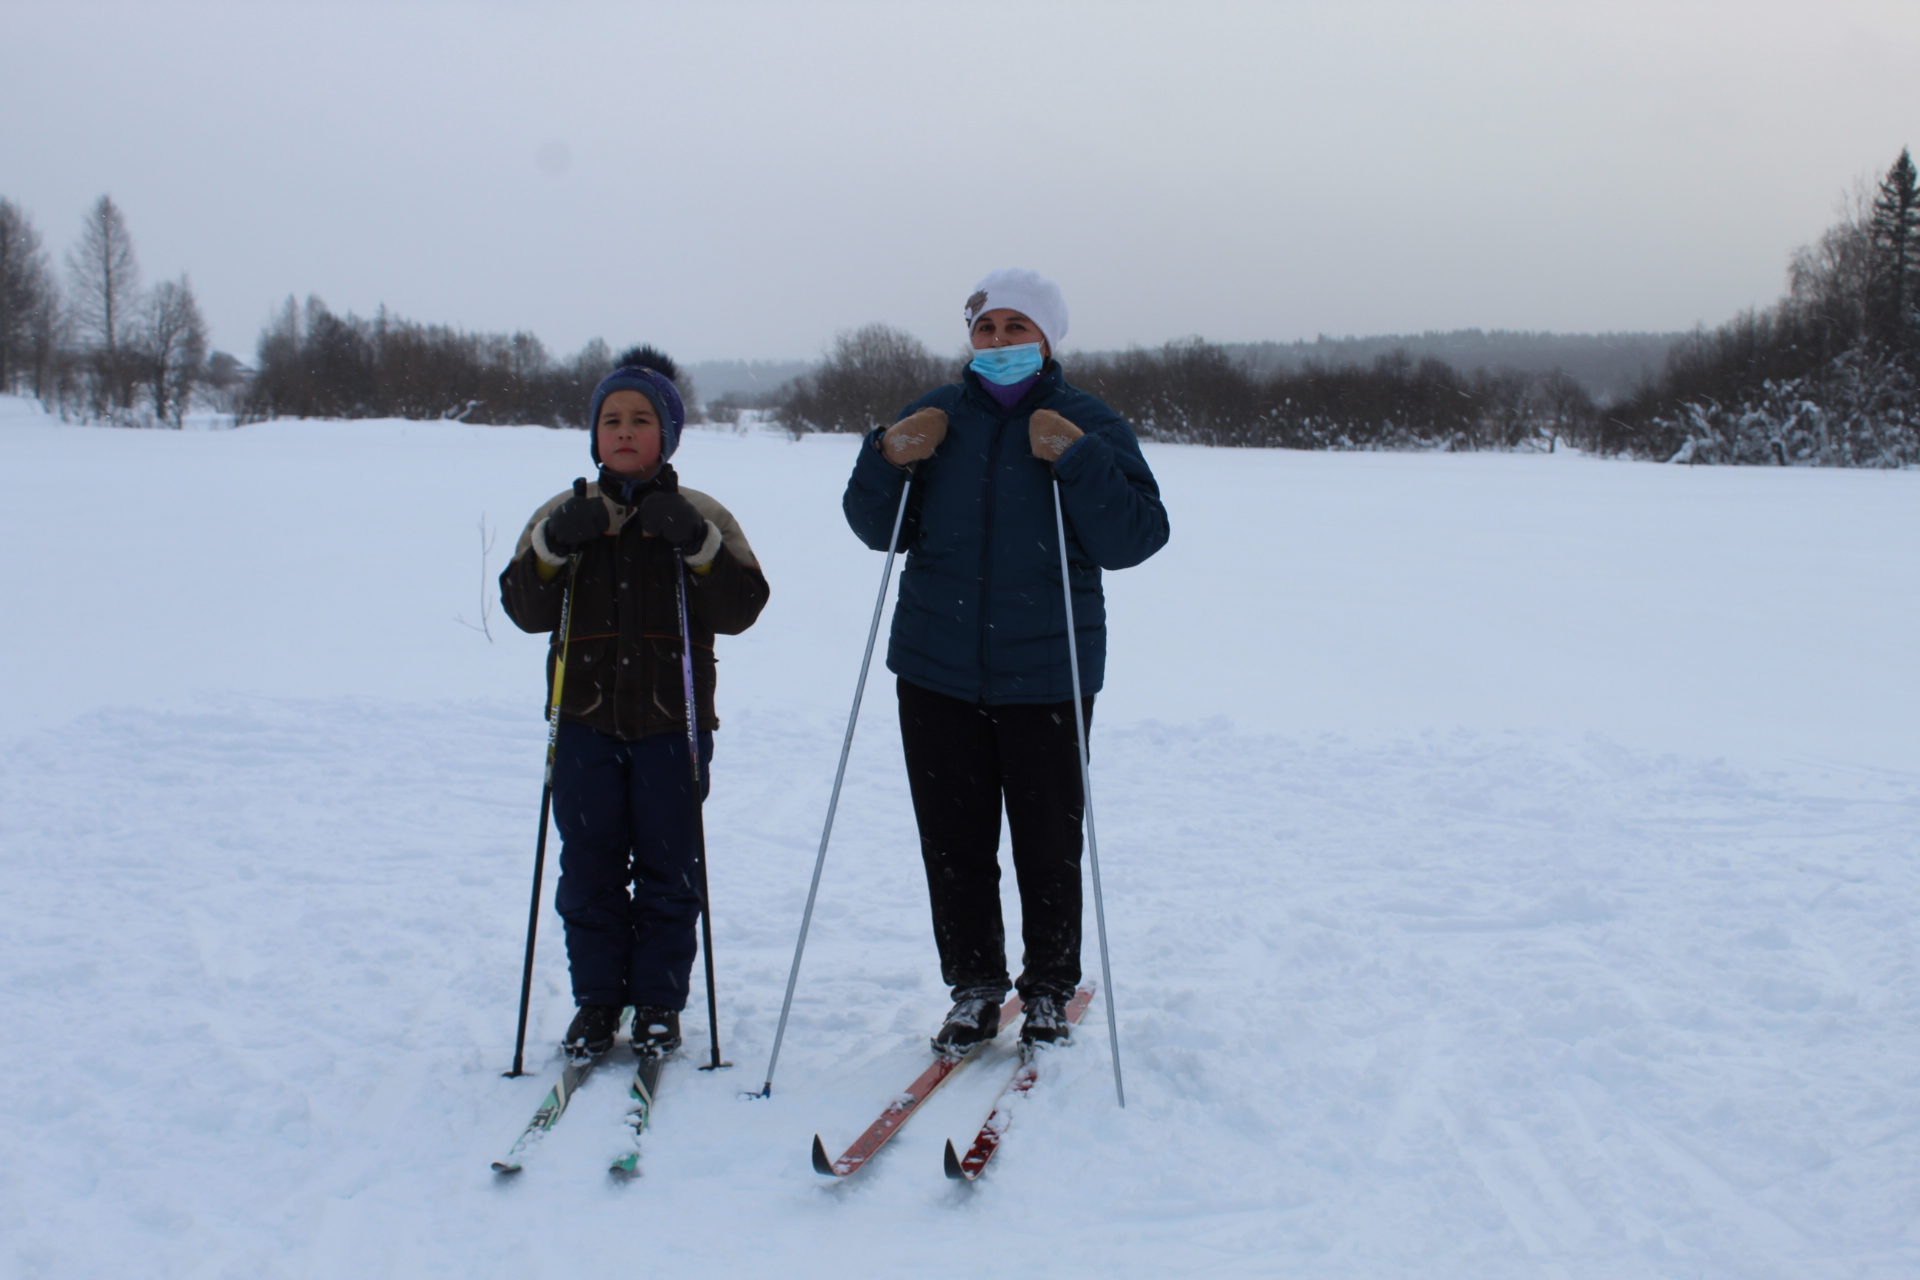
(629, 434)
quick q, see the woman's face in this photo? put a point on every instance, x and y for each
(629, 434)
(1005, 327)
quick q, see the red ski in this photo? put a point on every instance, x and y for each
(971, 1165)
(898, 1110)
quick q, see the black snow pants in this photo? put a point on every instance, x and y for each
(964, 760)
(626, 816)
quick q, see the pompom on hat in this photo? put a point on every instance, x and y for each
(1028, 292)
(651, 373)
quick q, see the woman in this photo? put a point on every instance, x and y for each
(623, 795)
(979, 640)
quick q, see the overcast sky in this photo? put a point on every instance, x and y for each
(744, 180)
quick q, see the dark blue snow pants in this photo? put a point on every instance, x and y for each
(626, 814)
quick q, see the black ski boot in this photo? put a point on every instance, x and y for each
(1046, 1023)
(972, 1021)
(656, 1031)
(591, 1032)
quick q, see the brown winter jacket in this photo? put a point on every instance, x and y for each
(623, 667)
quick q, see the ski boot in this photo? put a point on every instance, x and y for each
(656, 1031)
(591, 1032)
(972, 1021)
(1046, 1023)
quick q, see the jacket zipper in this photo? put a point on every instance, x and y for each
(986, 554)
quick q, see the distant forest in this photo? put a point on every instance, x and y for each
(1196, 392)
(1608, 366)
(1828, 376)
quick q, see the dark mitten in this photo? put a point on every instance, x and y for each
(671, 516)
(576, 522)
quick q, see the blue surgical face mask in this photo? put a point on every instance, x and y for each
(1008, 365)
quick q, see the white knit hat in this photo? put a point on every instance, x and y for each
(1028, 292)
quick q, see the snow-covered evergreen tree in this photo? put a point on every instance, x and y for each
(1893, 290)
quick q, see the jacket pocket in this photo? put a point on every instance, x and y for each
(591, 674)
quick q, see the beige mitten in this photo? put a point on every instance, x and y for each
(1049, 434)
(914, 437)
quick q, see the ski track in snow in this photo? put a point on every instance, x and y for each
(1444, 1003)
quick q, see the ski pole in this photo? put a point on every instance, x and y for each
(699, 820)
(1086, 797)
(839, 775)
(546, 804)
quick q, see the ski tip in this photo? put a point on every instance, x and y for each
(954, 1170)
(621, 1171)
(503, 1167)
(821, 1163)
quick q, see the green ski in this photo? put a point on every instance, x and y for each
(551, 1109)
(646, 1080)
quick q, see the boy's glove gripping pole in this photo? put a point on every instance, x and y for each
(576, 522)
(833, 803)
(671, 516)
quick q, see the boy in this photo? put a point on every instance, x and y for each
(623, 795)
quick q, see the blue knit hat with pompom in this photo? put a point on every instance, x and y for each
(651, 373)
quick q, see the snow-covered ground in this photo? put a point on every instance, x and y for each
(1510, 861)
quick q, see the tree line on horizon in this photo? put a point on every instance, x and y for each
(1196, 392)
(1829, 375)
(314, 363)
(95, 346)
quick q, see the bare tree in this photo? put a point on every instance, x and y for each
(223, 382)
(50, 363)
(868, 377)
(106, 284)
(1828, 282)
(26, 294)
(171, 348)
(487, 535)
(1561, 407)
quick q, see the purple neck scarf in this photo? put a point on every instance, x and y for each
(1009, 396)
